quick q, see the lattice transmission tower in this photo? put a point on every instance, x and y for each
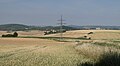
(61, 26)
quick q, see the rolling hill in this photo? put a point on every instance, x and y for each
(21, 27)
(13, 27)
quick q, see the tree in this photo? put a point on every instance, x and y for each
(15, 34)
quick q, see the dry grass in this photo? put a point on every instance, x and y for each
(43, 52)
(94, 51)
(101, 53)
(25, 33)
(31, 33)
(37, 52)
(97, 34)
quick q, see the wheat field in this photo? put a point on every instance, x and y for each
(37, 52)
(98, 34)
(44, 52)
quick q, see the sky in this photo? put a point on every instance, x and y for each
(48, 12)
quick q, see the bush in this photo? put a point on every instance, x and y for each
(90, 33)
(15, 34)
(107, 59)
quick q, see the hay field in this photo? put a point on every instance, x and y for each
(97, 34)
(26, 33)
(37, 52)
(44, 52)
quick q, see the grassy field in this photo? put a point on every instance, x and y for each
(102, 50)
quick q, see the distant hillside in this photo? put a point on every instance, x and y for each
(21, 27)
(94, 27)
(13, 27)
(58, 27)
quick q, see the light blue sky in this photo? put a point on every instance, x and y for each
(47, 12)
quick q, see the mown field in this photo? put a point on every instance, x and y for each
(102, 50)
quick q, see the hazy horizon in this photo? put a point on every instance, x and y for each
(47, 12)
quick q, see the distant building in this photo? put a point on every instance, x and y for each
(98, 28)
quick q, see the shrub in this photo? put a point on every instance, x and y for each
(15, 34)
(8, 35)
(89, 38)
(85, 36)
(107, 59)
(90, 33)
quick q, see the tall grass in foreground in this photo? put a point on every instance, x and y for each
(43, 53)
(99, 55)
(38, 55)
(107, 59)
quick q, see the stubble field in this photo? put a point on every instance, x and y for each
(103, 48)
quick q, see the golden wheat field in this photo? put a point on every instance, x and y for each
(36, 52)
(45, 52)
(26, 33)
(98, 34)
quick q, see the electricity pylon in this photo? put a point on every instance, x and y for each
(61, 27)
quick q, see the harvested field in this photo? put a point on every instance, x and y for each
(97, 34)
(36, 52)
(26, 33)
(43, 52)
